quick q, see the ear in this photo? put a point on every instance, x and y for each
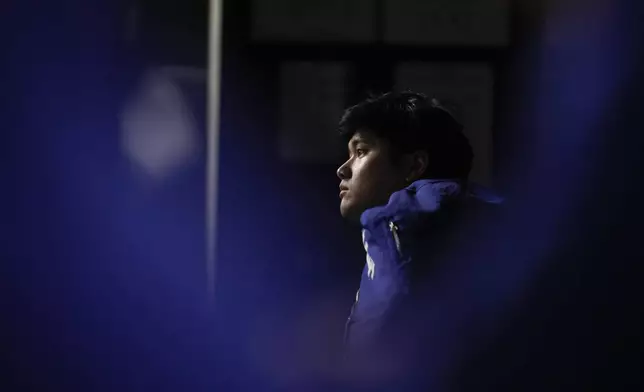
(417, 164)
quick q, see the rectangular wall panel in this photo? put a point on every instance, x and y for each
(312, 100)
(447, 22)
(313, 20)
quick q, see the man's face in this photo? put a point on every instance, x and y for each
(369, 176)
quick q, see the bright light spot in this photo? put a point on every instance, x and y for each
(159, 132)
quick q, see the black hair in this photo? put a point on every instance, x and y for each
(410, 122)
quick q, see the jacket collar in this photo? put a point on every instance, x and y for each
(424, 197)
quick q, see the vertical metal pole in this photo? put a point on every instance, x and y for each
(213, 125)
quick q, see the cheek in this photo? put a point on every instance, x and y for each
(370, 177)
(361, 177)
(381, 180)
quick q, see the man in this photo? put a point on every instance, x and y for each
(405, 182)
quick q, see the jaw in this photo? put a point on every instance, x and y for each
(352, 211)
(345, 208)
(349, 211)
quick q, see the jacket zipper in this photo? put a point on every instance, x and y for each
(394, 232)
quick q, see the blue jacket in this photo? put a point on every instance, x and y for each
(403, 240)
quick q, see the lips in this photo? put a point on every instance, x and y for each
(343, 190)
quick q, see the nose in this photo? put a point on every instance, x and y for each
(343, 171)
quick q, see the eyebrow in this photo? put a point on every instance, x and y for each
(360, 139)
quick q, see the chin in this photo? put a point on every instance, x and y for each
(345, 210)
(350, 213)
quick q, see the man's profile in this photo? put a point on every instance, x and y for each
(405, 182)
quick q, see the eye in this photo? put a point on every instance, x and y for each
(360, 152)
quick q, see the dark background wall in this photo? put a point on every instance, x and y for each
(286, 259)
(107, 281)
